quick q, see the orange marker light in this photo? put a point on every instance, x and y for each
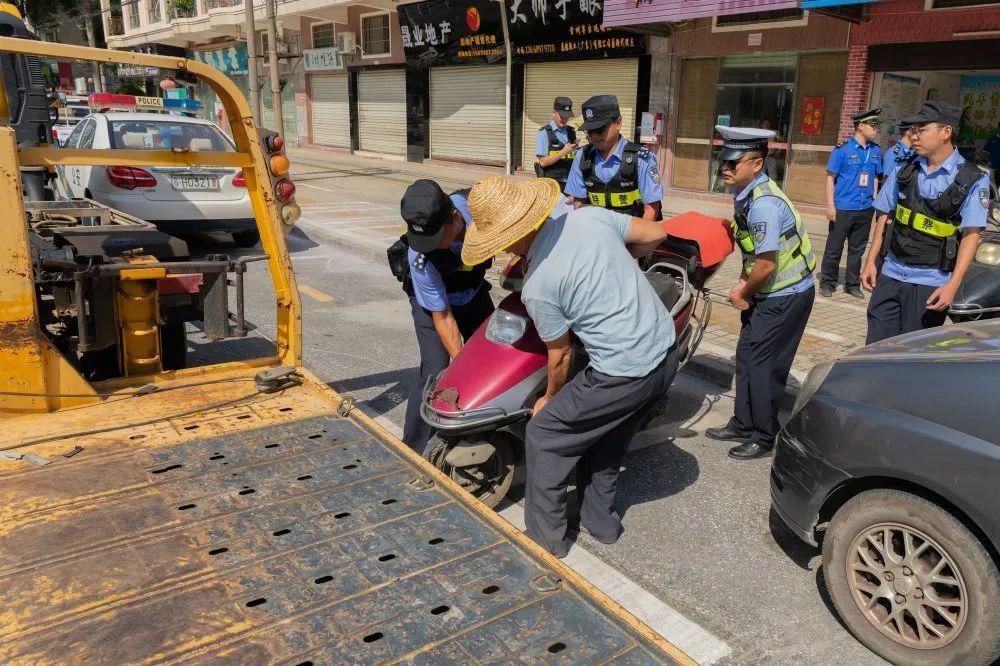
(278, 164)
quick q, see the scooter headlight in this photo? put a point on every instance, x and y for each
(505, 328)
(989, 254)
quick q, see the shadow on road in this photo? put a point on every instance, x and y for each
(397, 385)
(797, 550)
(653, 473)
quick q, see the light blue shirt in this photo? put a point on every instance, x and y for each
(428, 285)
(851, 165)
(648, 174)
(895, 157)
(931, 185)
(768, 219)
(542, 139)
(581, 278)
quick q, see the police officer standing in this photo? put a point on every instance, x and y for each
(448, 300)
(775, 292)
(555, 144)
(899, 154)
(611, 171)
(851, 172)
(932, 209)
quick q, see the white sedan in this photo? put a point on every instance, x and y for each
(177, 200)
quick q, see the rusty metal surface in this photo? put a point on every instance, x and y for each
(306, 542)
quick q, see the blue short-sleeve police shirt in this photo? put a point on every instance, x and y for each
(931, 185)
(648, 173)
(542, 139)
(428, 284)
(895, 157)
(854, 168)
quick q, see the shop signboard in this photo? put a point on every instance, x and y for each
(980, 98)
(231, 60)
(566, 30)
(447, 32)
(813, 112)
(322, 60)
(128, 71)
(636, 12)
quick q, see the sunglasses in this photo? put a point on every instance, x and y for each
(730, 165)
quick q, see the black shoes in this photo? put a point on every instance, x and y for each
(726, 434)
(855, 292)
(825, 292)
(749, 451)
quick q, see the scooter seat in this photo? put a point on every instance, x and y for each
(665, 287)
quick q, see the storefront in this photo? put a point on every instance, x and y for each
(467, 114)
(382, 111)
(329, 92)
(231, 60)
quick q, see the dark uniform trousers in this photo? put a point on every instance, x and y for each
(587, 425)
(771, 332)
(900, 307)
(852, 227)
(434, 357)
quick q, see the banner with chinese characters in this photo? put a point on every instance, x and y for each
(980, 98)
(443, 32)
(813, 111)
(566, 30)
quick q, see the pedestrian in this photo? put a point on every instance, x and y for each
(992, 148)
(938, 204)
(851, 173)
(611, 171)
(774, 294)
(555, 143)
(582, 281)
(898, 155)
(448, 300)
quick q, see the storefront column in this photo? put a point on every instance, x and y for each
(857, 86)
(662, 75)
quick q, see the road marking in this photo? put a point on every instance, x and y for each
(315, 294)
(832, 337)
(697, 642)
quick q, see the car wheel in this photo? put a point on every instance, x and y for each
(246, 238)
(911, 582)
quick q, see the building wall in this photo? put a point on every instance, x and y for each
(820, 32)
(395, 57)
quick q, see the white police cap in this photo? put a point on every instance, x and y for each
(737, 140)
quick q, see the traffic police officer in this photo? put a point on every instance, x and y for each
(775, 291)
(611, 171)
(448, 300)
(851, 172)
(898, 155)
(555, 144)
(931, 211)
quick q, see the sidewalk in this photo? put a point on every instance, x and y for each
(837, 325)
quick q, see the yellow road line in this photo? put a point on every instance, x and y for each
(315, 294)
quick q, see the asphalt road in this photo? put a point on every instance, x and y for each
(699, 534)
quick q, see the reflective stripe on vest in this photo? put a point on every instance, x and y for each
(795, 256)
(925, 224)
(618, 199)
(567, 156)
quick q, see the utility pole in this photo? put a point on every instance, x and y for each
(508, 159)
(88, 27)
(272, 59)
(254, 86)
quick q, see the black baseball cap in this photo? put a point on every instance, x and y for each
(563, 105)
(426, 209)
(598, 111)
(936, 111)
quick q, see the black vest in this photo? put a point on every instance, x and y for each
(925, 231)
(621, 193)
(560, 169)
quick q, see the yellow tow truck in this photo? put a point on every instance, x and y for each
(240, 512)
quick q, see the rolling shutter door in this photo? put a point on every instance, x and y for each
(467, 114)
(331, 114)
(382, 111)
(543, 82)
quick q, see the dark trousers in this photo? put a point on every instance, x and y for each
(587, 425)
(771, 332)
(434, 357)
(852, 227)
(900, 307)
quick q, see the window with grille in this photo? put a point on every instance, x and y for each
(132, 11)
(155, 13)
(323, 35)
(952, 4)
(750, 18)
(375, 35)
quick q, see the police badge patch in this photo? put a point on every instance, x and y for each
(759, 232)
(984, 197)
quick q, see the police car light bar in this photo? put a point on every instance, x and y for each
(99, 102)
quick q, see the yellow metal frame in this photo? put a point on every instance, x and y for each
(29, 363)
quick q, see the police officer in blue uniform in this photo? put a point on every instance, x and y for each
(775, 292)
(611, 171)
(851, 175)
(931, 211)
(899, 154)
(555, 144)
(448, 300)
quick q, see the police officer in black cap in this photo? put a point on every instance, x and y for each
(555, 143)
(612, 172)
(448, 300)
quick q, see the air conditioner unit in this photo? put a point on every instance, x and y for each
(346, 43)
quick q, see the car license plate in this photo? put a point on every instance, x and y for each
(195, 183)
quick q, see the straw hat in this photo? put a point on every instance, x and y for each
(504, 212)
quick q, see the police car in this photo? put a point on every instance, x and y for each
(177, 200)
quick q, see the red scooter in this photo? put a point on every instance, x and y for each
(480, 404)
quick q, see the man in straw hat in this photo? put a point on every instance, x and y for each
(582, 279)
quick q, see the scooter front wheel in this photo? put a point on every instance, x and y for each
(488, 481)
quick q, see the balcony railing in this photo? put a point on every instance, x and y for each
(221, 4)
(115, 26)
